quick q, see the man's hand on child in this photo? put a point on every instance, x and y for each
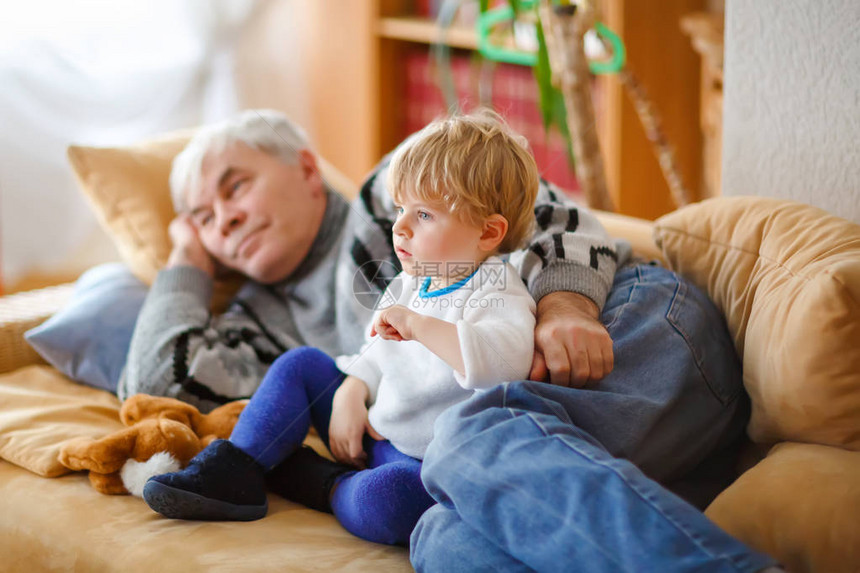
(394, 323)
(572, 347)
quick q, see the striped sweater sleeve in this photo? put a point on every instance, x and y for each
(180, 350)
(569, 250)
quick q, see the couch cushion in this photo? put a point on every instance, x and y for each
(40, 410)
(65, 525)
(800, 504)
(88, 339)
(787, 277)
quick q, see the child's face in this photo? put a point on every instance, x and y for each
(430, 241)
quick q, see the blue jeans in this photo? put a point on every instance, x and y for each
(531, 476)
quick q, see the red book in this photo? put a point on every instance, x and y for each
(422, 8)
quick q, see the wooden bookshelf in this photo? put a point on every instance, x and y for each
(362, 73)
(660, 56)
(424, 31)
(706, 36)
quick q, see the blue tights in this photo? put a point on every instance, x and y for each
(382, 503)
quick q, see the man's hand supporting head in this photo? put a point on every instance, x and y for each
(187, 248)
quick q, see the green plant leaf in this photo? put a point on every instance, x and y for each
(550, 98)
(543, 76)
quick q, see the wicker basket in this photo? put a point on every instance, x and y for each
(21, 312)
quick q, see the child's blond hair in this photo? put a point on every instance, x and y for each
(477, 166)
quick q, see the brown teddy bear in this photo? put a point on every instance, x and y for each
(161, 436)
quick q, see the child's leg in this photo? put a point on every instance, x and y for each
(383, 503)
(226, 480)
(296, 391)
(380, 452)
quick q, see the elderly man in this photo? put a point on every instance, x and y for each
(529, 475)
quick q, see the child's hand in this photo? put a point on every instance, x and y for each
(349, 423)
(395, 323)
(345, 433)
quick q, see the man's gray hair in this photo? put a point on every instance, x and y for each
(263, 129)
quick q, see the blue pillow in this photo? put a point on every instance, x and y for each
(88, 339)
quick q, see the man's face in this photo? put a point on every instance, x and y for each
(255, 214)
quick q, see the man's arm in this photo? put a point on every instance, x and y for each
(569, 266)
(179, 349)
(569, 250)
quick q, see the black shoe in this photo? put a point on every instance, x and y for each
(306, 478)
(221, 483)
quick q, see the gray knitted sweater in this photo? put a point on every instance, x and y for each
(181, 350)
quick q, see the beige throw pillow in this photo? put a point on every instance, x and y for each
(787, 277)
(800, 504)
(130, 195)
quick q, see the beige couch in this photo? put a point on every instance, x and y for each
(786, 275)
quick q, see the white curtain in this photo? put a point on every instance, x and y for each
(106, 72)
